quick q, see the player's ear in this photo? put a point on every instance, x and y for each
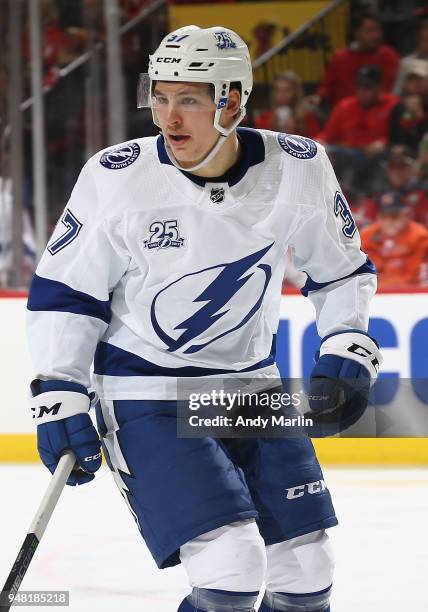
(229, 114)
(234, 102)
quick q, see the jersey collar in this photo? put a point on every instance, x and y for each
(253, 149)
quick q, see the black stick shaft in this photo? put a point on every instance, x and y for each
(18, 571)
(37, 529)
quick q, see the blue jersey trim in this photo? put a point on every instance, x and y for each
(43, 386)
(52, 296)
(253, 149)
(347, 331)
(367, 268)
(111, 360)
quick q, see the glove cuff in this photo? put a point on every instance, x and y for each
(354, 345)
(57, 400)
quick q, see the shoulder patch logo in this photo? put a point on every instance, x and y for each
(164, 234)
(120, 157)
(297, 146)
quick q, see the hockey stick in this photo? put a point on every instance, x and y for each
(36, 531)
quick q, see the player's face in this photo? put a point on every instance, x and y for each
(185, 113)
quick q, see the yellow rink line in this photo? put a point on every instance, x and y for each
(386, 451)
(394, 451)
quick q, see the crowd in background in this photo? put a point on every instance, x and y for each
(370, 111)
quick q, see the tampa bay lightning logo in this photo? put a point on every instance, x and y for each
(121, 157)
(224, 40)
(297, 146)
(213, 312)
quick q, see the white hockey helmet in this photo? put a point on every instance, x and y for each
(214, 55)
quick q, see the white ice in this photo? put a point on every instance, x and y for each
(93, 549)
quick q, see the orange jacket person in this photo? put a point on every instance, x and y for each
(395, 244)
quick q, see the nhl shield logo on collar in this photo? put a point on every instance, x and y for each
(217, 195)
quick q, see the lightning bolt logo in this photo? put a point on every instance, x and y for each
(230, 280)
(124, 156)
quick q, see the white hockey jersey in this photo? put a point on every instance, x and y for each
(154, 274)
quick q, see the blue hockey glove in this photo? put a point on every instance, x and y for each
(60, 409)
(340, 382)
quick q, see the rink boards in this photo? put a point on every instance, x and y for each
(398, 320)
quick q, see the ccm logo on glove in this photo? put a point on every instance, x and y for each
(56, 405)
(63, 423)
(45, 410)
(362, 351)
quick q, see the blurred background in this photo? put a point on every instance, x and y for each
(353, 75)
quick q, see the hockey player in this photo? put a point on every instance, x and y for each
(167, 263)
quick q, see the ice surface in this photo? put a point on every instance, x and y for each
(93, 549)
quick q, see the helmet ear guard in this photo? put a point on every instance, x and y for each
(217, 56)
(221, 97)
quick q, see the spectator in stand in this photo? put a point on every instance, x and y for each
(4, 118)
(364, 209)
(366, 50)
(290, 112)
(397, 246)
(60, 47)
(6, 227)
(409, 119)
(420, 55)
(263, 32)
(401, 178)
(423, 159)
(131, 8)
(356, 134)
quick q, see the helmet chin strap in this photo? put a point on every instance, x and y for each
(223, 134)
(216, 148)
